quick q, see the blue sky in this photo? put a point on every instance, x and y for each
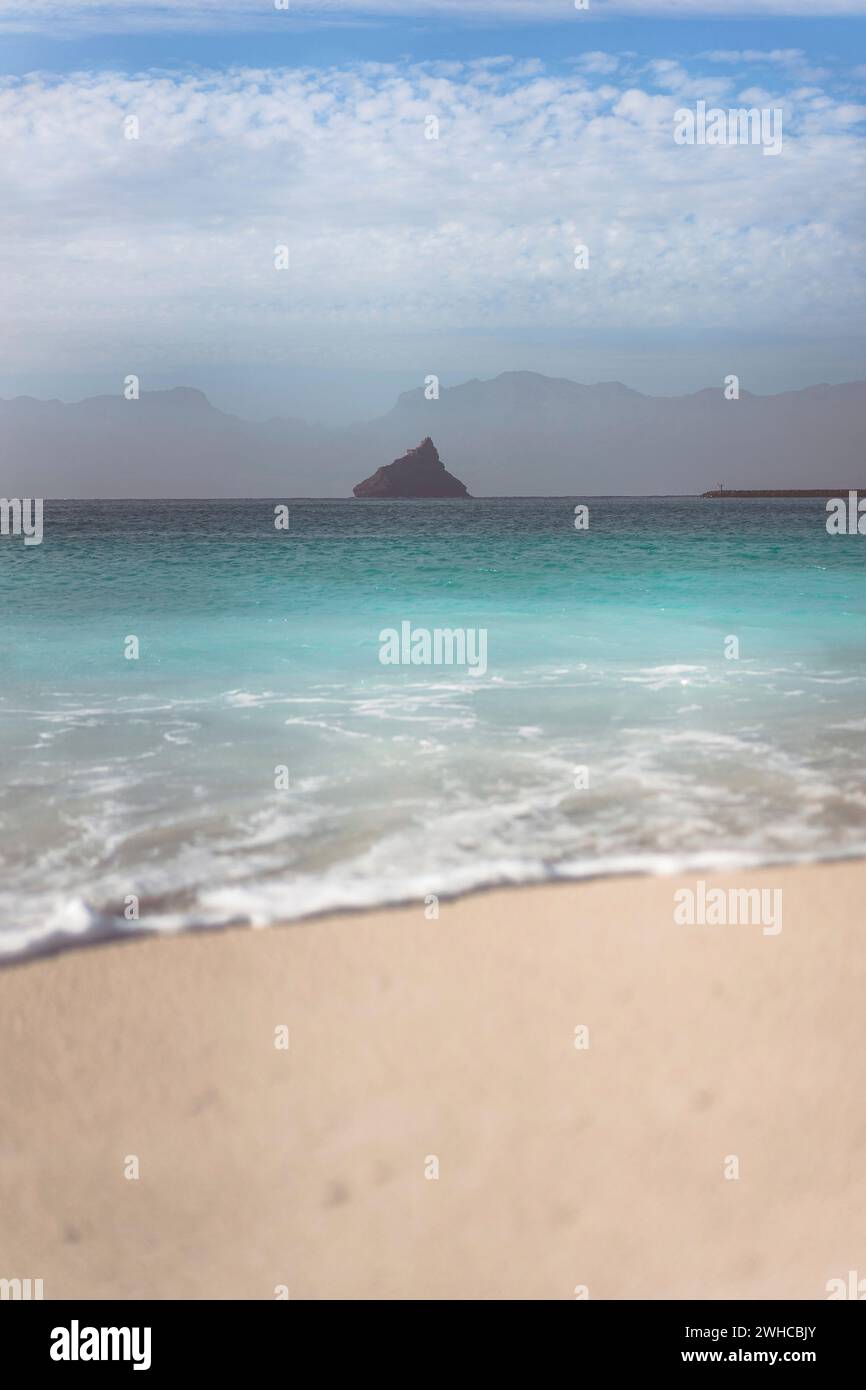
(410, 257)
(65, 37)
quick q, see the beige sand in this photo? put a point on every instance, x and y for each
(455, 1038)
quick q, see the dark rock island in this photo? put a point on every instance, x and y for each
(420, 473)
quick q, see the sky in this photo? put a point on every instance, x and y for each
(255, 128)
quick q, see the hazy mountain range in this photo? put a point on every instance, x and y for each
(519, 434)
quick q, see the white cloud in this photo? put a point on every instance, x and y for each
(786, 57)
(793, 59)
(162, 248)
(597, 62)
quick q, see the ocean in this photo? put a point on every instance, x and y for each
(258, 763)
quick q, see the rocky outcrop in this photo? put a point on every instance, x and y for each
(420, 473)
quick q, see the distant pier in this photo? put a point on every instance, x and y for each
(722, 493)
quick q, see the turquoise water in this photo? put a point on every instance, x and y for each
(259, 648)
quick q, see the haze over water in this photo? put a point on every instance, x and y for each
(260, 648)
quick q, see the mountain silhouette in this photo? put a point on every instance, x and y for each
(519, 434)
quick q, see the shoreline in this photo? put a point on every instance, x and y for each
(109, 934)
(559, 1166)
(106, 935)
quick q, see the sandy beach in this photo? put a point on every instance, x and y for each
(414, 1043)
